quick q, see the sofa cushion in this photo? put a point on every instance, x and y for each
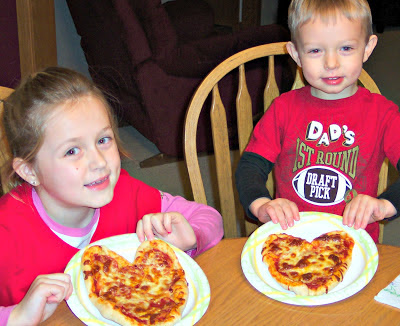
(156, 23)
(199, 57)
(107, 56)
(133, 33)
(192, 19)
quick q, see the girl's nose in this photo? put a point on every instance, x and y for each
(96, 159)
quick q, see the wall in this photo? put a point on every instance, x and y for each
(69, 51)
(269, 10)
(9, 50)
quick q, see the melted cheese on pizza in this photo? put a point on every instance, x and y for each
(312, 264)
(146, 291)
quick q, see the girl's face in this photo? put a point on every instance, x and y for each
(78, 164)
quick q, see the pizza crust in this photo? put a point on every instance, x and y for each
(150, 291)
(308, 268)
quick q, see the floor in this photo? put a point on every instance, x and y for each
(384, 68)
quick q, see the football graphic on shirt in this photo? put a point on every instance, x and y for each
(321, 185)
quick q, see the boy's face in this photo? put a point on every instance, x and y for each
(331, 55)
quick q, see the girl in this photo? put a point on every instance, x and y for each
(69, 190)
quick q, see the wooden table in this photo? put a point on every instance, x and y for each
(235, 302)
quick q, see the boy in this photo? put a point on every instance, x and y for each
(326, 140)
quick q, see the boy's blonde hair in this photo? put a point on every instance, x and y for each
(27, 109)
(301, 11)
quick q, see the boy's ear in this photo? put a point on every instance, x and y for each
(293, 52)
(373, 40)
(25, 171)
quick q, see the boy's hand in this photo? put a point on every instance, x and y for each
(172, 227)
(280, 210)
(42, 298)
(364, 209)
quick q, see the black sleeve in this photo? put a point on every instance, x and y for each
(392, 194)
(251, 176)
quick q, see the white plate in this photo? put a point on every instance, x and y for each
(126, 246)
(311, 225)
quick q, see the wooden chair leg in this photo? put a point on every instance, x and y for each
(381, 227)
(159, 159)
(250, 228)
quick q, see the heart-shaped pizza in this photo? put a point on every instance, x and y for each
(308, 268)
(150, 291)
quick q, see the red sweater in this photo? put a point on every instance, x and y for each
(30, 248)
(323, 148)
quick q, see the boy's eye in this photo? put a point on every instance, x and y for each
(104, 140)
(346, 48)
(314, 51)
(72, 151)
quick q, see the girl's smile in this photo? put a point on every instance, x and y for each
(99, 184)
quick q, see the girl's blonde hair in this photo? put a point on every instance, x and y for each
(301, 11)
(27, 109)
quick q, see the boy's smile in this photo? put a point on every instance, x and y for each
(331, 54)
(78, 163)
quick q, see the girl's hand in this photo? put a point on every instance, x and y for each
(171, 227)
(42, 298)
(280, 210)
(364, 209)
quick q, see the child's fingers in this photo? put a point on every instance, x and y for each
(158, 224)
(168, 220)
(55, 293)
(291, 212)
(295, 211)
(54, 287)
(285, 214)
(42, 298)
(362, 212)
(62, 279)
(349, 214)
(69, 292)
(282, 211)
(152, 224)
(277, 216)
(61, 288)
(267, 213)
(139, 230)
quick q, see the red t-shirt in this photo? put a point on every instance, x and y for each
(30, 248)
(323, 148)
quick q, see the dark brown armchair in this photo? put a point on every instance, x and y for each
(150, 58)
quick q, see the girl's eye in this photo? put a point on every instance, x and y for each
(72, 151)
(104, 140)
(314, 51)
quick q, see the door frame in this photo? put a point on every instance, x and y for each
(36, 35)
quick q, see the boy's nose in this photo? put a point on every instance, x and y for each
(331, 61)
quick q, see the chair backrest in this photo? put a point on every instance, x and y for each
(4, 93)
(231, 210)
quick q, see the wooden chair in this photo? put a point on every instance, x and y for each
(4, 93)
(231, 210)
